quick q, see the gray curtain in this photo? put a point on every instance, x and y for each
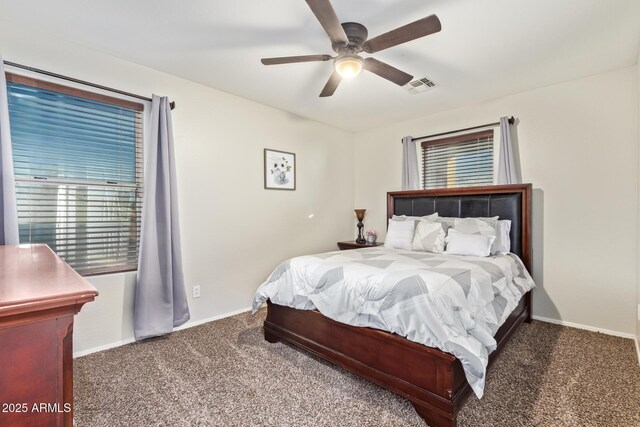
(507, 173)
(410, 173)
(8, 208)
(160, 300)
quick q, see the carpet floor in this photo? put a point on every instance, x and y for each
(224, 373)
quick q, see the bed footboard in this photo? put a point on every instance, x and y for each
(431, 379)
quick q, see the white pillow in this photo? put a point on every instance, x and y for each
(447, 221)
(429, 236)
(400, 234)
(468, 244)
(482, 226)
(502, 245)
(432, 217)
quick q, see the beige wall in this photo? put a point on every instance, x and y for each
(233, 231)
(578, 144)
(638, 128)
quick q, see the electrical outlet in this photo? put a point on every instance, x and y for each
(196, 291)
(638, 311)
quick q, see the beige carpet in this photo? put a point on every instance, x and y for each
(225, 374)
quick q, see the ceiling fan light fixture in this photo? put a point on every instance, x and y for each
(348, 66)
(348, 39)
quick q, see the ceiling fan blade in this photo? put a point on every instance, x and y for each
(415, 30)
(293, 59)
(332, 85)
(324, 12)
(386, 71)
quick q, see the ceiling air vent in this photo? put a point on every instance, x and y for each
(420, 85)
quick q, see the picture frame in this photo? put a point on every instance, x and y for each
(279, 170)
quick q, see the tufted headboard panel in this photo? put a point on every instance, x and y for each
(512, 202)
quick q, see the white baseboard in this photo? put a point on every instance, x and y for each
(102, 347)
(585, 327)
(191, 324)
(244, 310)
(187, 325)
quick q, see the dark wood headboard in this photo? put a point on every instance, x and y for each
(512, 202)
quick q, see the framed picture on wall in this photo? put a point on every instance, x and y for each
(279, 170)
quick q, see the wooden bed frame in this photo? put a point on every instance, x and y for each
(432, 380)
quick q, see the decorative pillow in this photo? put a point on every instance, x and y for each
(400, 234)
(432, 217)
(447, 221)
(502, 245)
(468, 244)
(429, 236)
(481, 226)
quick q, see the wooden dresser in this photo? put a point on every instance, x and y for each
(39, 295)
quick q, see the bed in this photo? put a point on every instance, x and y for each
(432, 380)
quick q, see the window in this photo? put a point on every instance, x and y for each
(459, 161)
(78, 166)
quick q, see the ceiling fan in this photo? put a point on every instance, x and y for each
(349, 39)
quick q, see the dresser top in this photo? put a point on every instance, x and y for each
(33, 277)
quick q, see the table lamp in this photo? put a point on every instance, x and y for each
(360, 217)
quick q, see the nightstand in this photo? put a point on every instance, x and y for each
(351, 244)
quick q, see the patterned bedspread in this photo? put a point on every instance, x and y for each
(454, 303)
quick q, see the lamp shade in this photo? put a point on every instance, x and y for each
(360, 214)
(348, 66)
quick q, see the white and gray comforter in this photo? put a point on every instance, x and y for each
(454, 303)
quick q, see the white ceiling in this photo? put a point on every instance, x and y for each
(486, 49)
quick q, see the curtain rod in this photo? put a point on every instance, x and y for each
(511, 121)
(172, 104)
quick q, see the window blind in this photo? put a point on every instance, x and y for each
(460, 161)
(78, 167)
